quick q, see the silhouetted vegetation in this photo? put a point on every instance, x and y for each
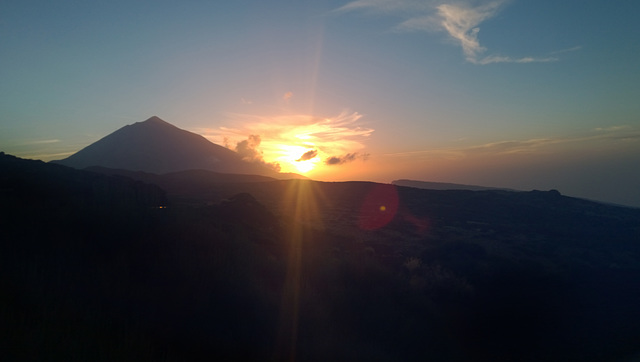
(98, 267)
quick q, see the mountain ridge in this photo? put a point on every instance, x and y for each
(157, 146)
(430, 185)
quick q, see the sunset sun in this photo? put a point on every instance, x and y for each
(298, 159)
(297, 143)
(304, 166)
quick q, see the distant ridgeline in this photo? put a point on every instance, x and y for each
(443, 186)
(57, 192)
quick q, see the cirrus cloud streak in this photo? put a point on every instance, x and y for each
(617, 135)
(461, 20)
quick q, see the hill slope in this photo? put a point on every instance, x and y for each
(94, 268)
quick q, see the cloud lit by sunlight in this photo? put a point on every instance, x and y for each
(39, 149)
(296, 142)
(307, 156)
(460, 20)
(349, 157)
(41, 142)
(249, 151)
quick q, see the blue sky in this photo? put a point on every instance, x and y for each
(522, 94)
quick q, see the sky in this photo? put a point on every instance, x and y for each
(524, 94)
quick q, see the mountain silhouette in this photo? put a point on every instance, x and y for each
(160, 147)
(204, 264)
(443, 185)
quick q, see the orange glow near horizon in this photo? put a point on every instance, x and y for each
(290, 160)
(304, 167)
(298, 143)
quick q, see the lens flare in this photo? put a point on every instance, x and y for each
(301, 202)
(379, 207)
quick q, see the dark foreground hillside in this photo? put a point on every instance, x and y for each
(97, 267)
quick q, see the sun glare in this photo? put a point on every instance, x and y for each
(304, 166)
(297, 143)
(298, 159)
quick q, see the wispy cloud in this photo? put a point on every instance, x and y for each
(294, 138)
(349, 157)
(503, 59)
(308, 156)
(38, 142)
(606, 135)
(461, 21)
(513, 147)
(386, 6)
(567, 50)
(44, 156)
